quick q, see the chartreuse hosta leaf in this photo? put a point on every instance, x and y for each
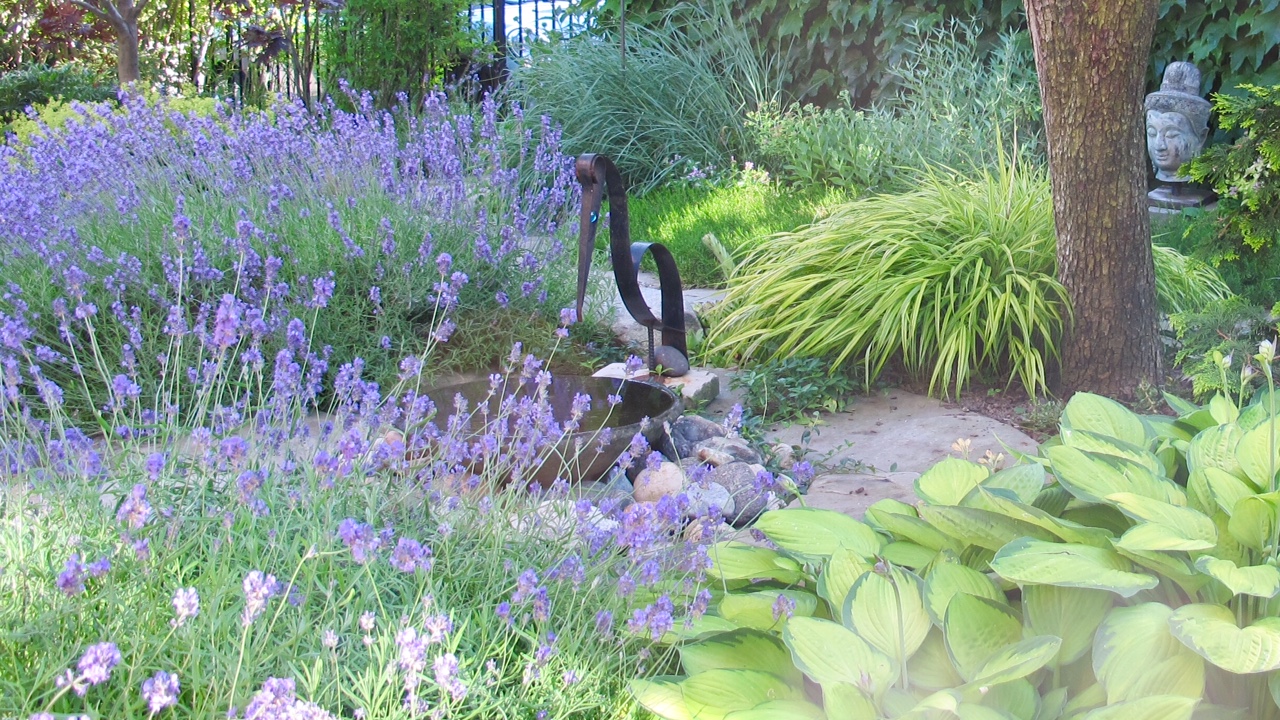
(1097, 414)
(1018, 660)
(1258, 453)
(976, 629)
(1025, 481)
(1215, 447)
(706, 624)
(888, 612)
(930, 667)
(713, 694)
(1226, 489)
(838, 575)
(1092, 478)
(983, 528)
(1160, 707)
(1064, 529)
(1256, 580)
(908, 554)
(815, 533)
(843, 701)
(948, 578)
(1164, 527)
(1211, 631)
(1136, 656)
(1223, 410)
(742, 649)
(1031, 562)
(780, 710)
(1253, 520)
(947, 482)
(902, 521)
(758, 609)
(1072, 614)
(1106, 445)
(830, 653)
(661, 696)
(739, 561)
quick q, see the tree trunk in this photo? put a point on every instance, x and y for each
(1091, 56)
(127, 52)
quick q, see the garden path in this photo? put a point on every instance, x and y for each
(880, 444)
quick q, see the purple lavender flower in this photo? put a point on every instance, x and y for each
(186, 605)
(409, 555)
(361, 538)
(446, 673)
(226, 326)
(96, 663)
(154, 466)
(99, 567)
(135, 511)
(71, 579)
(258, 590)
(783, 605)
(160, 691)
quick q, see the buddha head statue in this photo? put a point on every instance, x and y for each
(1177, 121)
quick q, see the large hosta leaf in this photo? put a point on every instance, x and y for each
(948, 578)
(1097, 414)
(846, 702)
(947, 482)
(713, 694)
(1186, 522)
(888, 612)
(1018, 660)
(1160, 707)
(1106, 445)
(976, 629)
(1072, 614)
(1256, 580)
(816, 533)
(931, 667)
(780, 710)
(1226, 489)
(1211, 631)
(699, 627)
(1253, 520)
(661, 696)
(1152, 537)
(1064, 530)
(1032, 562)
(1258, 453)
(1215, 448)
(739, 561)
(982, 528)
(1136, 656)
(902, 521)
(759, 609)
(840, 572)
(831, 653)
(1025, 481)
(1092, 478)
(743, 649)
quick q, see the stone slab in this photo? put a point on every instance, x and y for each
(698, 387)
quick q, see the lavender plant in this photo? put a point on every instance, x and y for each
(253, 525)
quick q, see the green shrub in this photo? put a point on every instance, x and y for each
(1128, 571)
(955, 102)
(1252, 274)
(35, 85)
(680, 98)
(956, 277)
(788, 388)
(1209, 339)
(1246, 173)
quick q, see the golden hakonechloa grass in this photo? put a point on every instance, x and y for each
(956, 276)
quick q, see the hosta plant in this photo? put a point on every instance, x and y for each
(1127, 571)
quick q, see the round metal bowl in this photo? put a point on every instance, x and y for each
(641, 402)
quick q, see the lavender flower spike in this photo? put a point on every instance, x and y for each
(160, 691)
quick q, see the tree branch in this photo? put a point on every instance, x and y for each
(110, 14)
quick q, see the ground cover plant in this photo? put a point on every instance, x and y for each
(161, 221)
(954, 278)
(1127, 570)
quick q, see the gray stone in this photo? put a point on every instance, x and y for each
(704, 496)
(615, 487)
(691, 464)
(652, 485)
(784, 455)
(689, 430)
(672, 361)
(722, 450)
(739, 479)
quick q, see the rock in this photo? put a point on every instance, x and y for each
(689, 430)
(652, 485)
(615, 487)
(704, 496)
(784, 455)
(690, 467)
(672, 361)
(723, 450)
(739, 479)
(559, 518)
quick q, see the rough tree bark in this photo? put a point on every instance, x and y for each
(1092, 57)
(122, 15)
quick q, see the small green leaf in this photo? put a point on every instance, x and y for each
(1032, 562)
(1072, 614)
(902, 521)
(1135, 656)
(846, 702)
(1211, 631)
(1226, 489)
(947, 482)
(908, 554)
(1257, 580)
(816, 533)
(1191, 525)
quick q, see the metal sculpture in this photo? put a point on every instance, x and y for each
(596, 173)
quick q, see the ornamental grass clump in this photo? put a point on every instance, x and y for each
(953, 279)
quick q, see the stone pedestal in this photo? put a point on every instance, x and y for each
(1173, 198)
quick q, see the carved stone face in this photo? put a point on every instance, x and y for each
(1171, 142)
